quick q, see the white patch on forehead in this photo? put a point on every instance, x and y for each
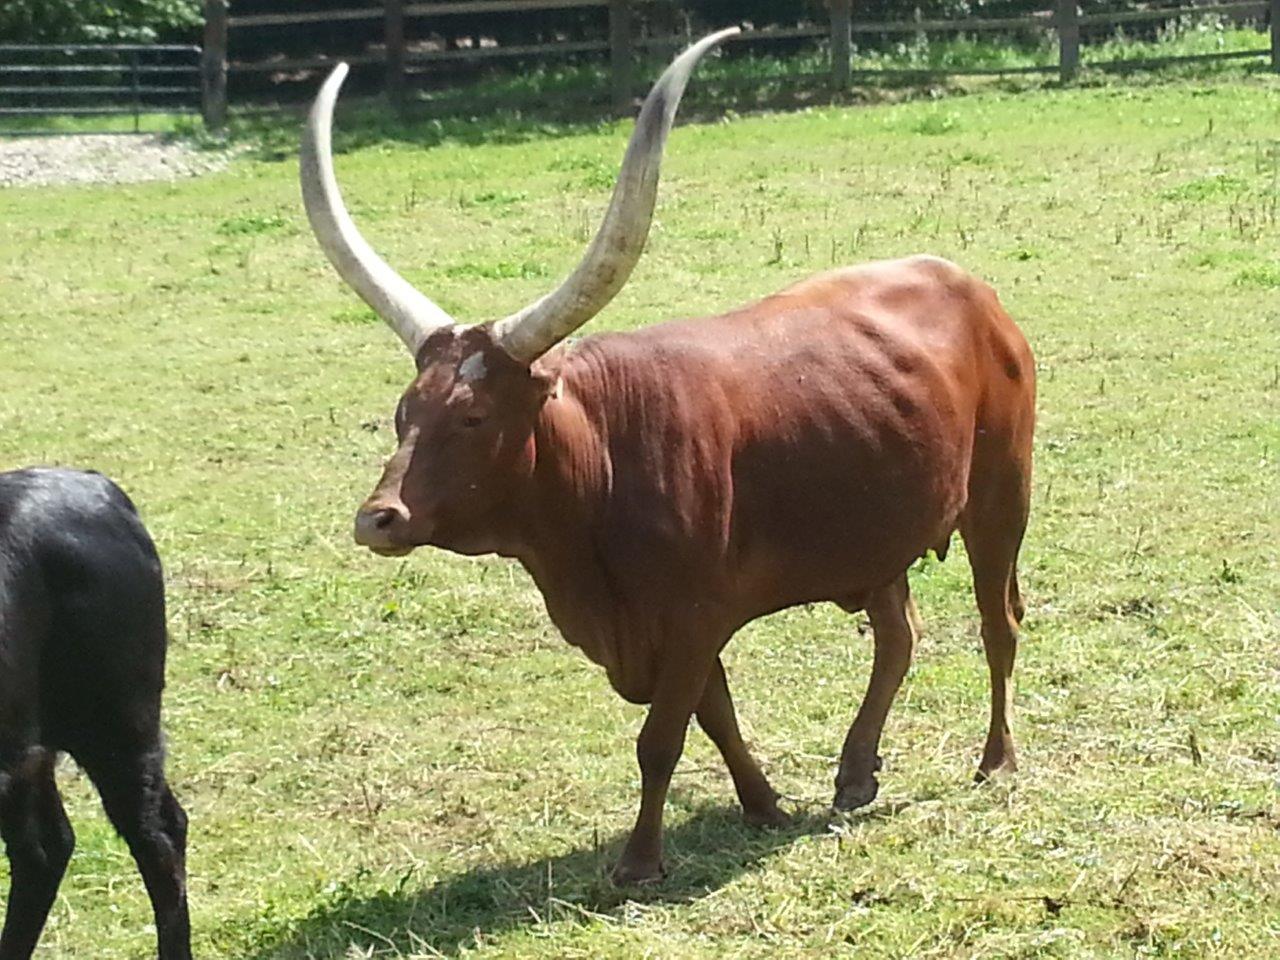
(473, 367)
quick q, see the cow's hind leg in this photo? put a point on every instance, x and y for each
(716, 716)
(38, 840)
(992, 526)
(146, 814)
(895, 625)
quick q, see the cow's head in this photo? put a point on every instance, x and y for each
(464, 433)
(465, 425)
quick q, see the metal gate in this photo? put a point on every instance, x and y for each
(42, 80)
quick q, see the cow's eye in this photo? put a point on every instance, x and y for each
(472, 420)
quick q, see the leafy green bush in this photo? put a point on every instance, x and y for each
(100, 21)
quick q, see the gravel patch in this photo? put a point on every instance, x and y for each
(102, 158)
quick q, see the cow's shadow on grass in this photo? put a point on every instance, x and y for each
(704, 852)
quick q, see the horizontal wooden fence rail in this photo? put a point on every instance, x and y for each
(925, 73)
(509, 50)
(1257, 8)
(497, 6)
(619, 40)
(1039, 21)
(1123, 65)
(410, 10)
(309, 63)
(304, 16)
(768, 33)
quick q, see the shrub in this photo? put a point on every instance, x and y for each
(97, 21)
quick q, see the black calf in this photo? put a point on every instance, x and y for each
(82, 648)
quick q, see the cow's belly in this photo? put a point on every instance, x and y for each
(832, 520)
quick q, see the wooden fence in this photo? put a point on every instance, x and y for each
(622, 45)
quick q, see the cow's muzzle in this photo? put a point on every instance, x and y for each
(383, 527)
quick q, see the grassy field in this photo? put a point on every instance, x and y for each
(401, 758)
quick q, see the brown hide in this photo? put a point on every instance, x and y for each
(668, 485)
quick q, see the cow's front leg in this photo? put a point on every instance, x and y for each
(658, 749)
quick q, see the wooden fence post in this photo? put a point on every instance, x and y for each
(1068, 39)
(841, 17)
(393, 32)
(621, 57)
(213, 65)
(1275, 35)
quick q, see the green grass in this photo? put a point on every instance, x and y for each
(149, 122)
(401, 758)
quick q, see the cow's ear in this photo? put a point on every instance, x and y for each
(545, 374)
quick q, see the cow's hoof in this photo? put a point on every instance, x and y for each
(999, 758)
(996, 770)
(769, 816)
(851, 796)
(628, 874)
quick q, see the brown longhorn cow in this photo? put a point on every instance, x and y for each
(666, 486)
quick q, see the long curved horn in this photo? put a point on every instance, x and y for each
(613, 253)
(411, 315)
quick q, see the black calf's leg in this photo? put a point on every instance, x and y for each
(38, 840)
(145, 812)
